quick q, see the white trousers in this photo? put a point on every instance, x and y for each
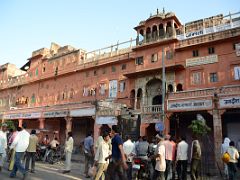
(68, 161)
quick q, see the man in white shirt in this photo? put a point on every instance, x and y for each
(68, 152)
(102, 156)
(159, 154)
(128, 149)
(20, 144)
(182, 158)
(3, 144)
(54, 143)
(232, 165)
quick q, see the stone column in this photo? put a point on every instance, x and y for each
(135, 99)
(41, 123)
(165, 30)
(167, 123)
(143, 96)
(20, 122)
(173, 29)
(68, 124)
(217, 134)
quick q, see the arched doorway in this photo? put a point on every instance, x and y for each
(132, 98)
(139, 98)
(153, 89)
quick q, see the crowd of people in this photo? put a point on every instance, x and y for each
(19, 147)
(112, 157)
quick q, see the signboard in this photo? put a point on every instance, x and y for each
(33, 115)
(82, 112)
(159, 126)
(55, 114)
(201, 60)
(194, 33)
(106, 120)
(218, 28)
(230, 102)
(190, 104)
(151, 118)
(237, 47)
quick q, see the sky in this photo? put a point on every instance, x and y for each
(28, 25)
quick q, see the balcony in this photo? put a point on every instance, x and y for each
(152, 109)
(191, 94)
(204, 93)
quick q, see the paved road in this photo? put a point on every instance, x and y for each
(49, 172)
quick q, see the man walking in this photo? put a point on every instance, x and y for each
(128, 148)
(182, 158)
(170, 151)
(88, 152)
(118, 164)
(20, 144)
(232, 165)
(31, 151)
(159, 155)
(68, 152)
(195, 159)
(102, 156)
(3, 144)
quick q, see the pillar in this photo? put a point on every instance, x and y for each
(165, 30)
(41, 123)
(20, 122)
(167, 123)
(68, 125)
(173, 29)
(135, 99)
(217, 134)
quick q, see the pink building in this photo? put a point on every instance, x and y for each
(64, 89)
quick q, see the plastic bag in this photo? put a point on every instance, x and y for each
(226, 157)
(92, 171)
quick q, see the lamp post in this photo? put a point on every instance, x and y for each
(163, 87)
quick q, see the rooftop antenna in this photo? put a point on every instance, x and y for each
(157, 10)
(163, 10)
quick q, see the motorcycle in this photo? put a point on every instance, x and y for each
(40, 152)
(141, 169)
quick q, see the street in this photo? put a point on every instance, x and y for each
(45, 171)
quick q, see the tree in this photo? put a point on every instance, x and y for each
(199, 126)
(10, 124)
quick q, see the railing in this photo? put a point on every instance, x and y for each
(221, 91)
(93, 58)
(152, 109)
(149, 40)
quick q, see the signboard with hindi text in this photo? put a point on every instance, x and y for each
(190, 105)
(201, 60)
(229, 102)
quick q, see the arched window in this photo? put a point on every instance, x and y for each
(33, 98)
(154, 32)
(148, 34)
(179, 87)
(139, 98)
(170, 88)
(132, 98)
(169, 29)
(161, 31)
